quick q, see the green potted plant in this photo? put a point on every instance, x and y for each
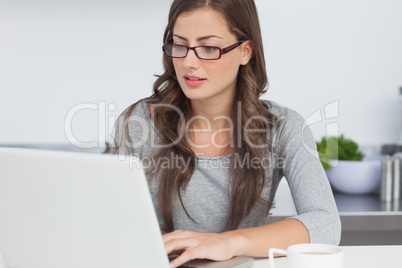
(346, 168)
(338, 148)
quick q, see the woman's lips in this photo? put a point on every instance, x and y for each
(193, 81)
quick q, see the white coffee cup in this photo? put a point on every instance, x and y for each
(310, 256)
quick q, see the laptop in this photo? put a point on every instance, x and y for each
(70, 209)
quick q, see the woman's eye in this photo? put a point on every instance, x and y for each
(210, 49)
(178, 47)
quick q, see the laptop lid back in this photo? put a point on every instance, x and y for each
(60, 209)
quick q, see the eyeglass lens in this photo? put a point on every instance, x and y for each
(203, 52)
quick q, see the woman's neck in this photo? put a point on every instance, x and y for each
(212, 114)
(211, 127)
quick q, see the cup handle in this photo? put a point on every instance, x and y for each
(272, 251)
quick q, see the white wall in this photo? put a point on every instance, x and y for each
(55, 55)
(351, 51)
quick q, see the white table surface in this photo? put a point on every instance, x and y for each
(355, 257)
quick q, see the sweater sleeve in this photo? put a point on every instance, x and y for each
(309, 185)
(132, 129)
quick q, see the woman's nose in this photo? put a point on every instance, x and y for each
(191, 60)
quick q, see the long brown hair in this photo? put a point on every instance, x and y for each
(246, 182)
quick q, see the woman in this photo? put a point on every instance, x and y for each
(214, 152)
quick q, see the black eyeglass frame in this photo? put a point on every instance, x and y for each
(222, 51)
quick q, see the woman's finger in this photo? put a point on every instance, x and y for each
(178, 244)
(188, 255)
(176, 234)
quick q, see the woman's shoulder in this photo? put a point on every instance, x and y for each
(139, 108)
(136, 117)
(282, 112)
(292, 128)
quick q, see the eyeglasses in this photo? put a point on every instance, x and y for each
(202, 52)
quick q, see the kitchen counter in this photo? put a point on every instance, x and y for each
(369, 213)
(365, 218)
(349, 206)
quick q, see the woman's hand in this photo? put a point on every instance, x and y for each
(194, 245)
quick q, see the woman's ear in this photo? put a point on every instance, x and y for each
(247, 52)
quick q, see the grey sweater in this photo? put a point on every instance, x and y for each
(207, 196)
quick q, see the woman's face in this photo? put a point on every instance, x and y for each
(211, 80)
